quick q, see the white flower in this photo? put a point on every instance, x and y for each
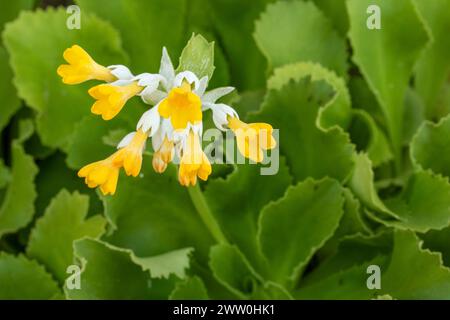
(158, 87)
(150, 121)
(126, 140)
(165, 131)
(121, 72)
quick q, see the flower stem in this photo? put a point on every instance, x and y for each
(205, 213)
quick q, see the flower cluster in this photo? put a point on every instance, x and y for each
(174, 121)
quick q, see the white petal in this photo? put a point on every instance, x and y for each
(121, 72)
(151, 80)
(215, 94)
(121, 83)
(202, 86)
(165, 130)
(166, 68)
(126, 140)
(153, 97)
(189, 76)
(157, 139)
(149, 120)
(221, 112)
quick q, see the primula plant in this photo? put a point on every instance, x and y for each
(338, 109)
(175, 121)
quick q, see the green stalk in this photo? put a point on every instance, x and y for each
(205, 213)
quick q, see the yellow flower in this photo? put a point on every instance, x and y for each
(182, 106)
(111, 98)
(82, 67)
(252, 138)
(163, 156)
(194, 162)
(104, 173)
(130, 157)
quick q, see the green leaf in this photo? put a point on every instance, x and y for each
(103, 269)
(433, 67)
(349, 284)
(352, 223)
(294, 227)
(283, 33)
(162, 218)
(10, 103)
(190, 289)
(145, 27)
(5, 175)
(338, 110)
(414, 115)
(24, 279)
(336, 11)
(9, 11)
(234, 21)
(200, 20)
(53, 176)
(198, 57)
(18, 205)
(386, 56)
(364, 99)
(377, 146)
(438, 240)
(424, 203)
(430, 147)
(237, 210)
(362, 184)
(87, 144)
(233, 270)
(63, 222)
(162, 266)
(34, 61)
(353, 250)
(294, 109)
(415, 273)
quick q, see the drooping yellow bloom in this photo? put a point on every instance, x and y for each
(131, 156)
(163, 156)
(111, 98)
(194, 162)
(104, 173)
(182, 106)
(252, 138)
(82, 67)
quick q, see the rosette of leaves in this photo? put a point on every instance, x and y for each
(364, 160)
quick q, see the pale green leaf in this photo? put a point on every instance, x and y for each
(190, 289)
(386, 56)
(108, 272)
(294, 109)
(64, 221)
(424, 203)
(413, 272)
(283, 33)
(198, 57)
(10, 103)
(17, 208)
(430, 148)
(362, 184)
(433, 67)
(294, 227)
(23, 279)
(163, 217)
(237, 208)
